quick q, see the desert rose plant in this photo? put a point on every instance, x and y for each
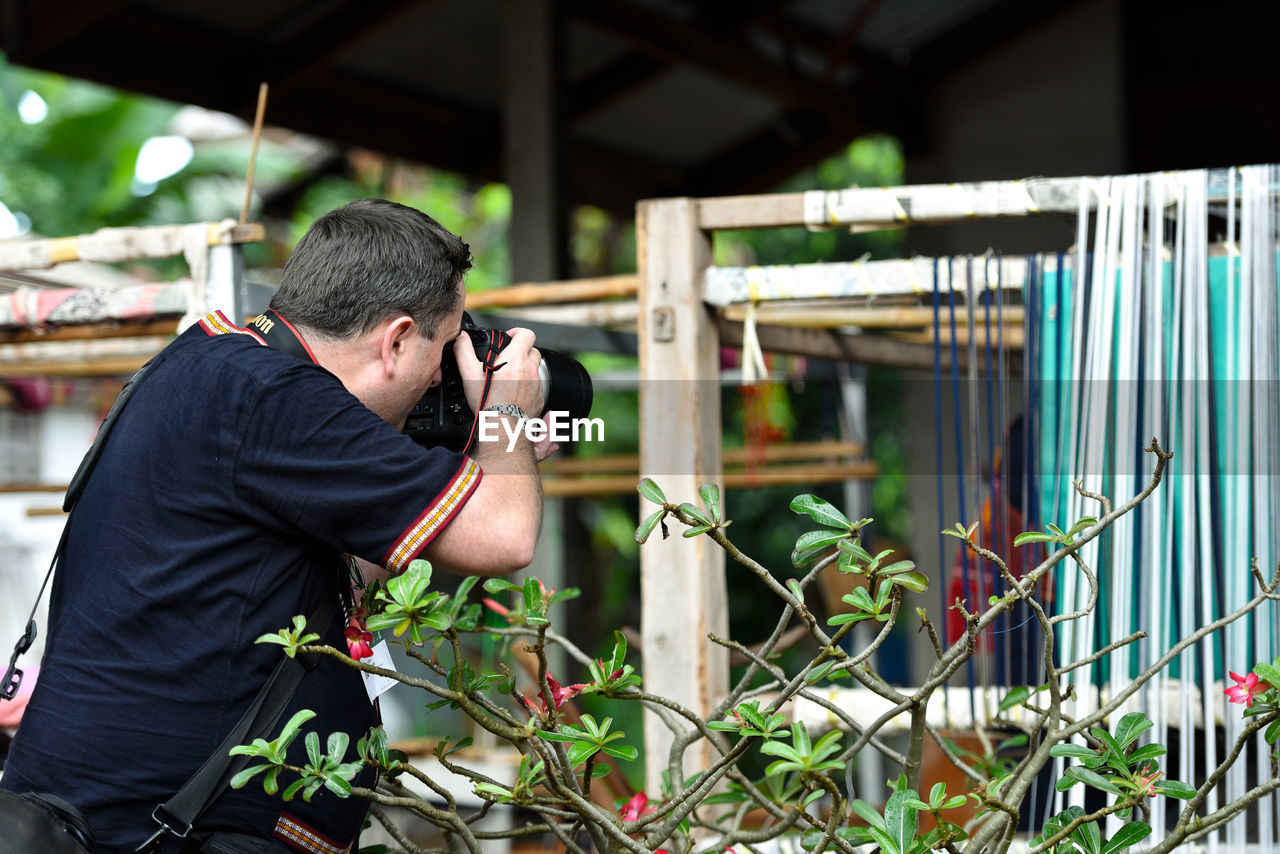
(797, 788)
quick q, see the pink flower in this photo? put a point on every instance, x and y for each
(636, 807)
(1147, 781)
(495, 607)
(1245, 689)
(561, 693)
(358, 639)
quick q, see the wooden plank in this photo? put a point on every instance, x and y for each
(682, 581)
(609, 463)
(831, 314)
(45, 511)
(773, 210)
(115, 366)
(545, 293)
(91, 331)
(763, 477)
(862, 349)
(109, 245)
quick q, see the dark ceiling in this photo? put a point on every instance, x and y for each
(655, 97)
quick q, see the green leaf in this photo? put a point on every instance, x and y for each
(916, 581)
(1084, 523)
(1088, 837)
(819, 511)
(897, 568)
(650, 490)
(1130, 727)
(812, 543)
(1131, 834)
(693, 532)
(855, 550)
(869, 814)
(499, 585)
(900, 819)
(239, 780)
(1267, 673)
(1146, 754)
(888, 845)
(1175, 789)
(1033, 537)
(696, 513)
(1092, 778)
(710, 494)
(1015, 698)
(622, 751)
(1075, 751)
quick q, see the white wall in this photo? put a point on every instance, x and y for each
(27, 542)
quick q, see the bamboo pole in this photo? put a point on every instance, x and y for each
(793, 451)
(763, 477)
(543, 293)
(253, 150)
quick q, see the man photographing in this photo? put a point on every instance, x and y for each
(227, 494)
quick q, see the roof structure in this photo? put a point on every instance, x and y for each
(654, 97)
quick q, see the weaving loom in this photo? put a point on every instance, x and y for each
(1161, 322)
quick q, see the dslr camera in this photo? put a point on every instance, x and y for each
(442, 417)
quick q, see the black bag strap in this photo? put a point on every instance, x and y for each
(179, 814)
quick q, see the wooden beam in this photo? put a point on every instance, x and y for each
(860, 349)
(772, 453)
(111, 245)
(682, 580)
(758, 479)
(111, 366)
(91, 331)
(546, 293)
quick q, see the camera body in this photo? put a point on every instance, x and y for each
(442, 416)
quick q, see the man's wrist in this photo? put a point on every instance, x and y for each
(507, 409)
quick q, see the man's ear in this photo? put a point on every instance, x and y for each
(392, 341)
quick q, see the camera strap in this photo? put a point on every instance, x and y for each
(281, 335)
(493, 346)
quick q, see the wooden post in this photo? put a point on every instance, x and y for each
(531, 139)
(681, 580)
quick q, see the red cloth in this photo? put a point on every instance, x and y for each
(984, 576)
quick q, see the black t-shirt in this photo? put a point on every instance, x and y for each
(228, 490)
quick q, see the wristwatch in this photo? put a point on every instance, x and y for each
(508, 409)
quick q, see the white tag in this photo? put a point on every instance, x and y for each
(375, 684)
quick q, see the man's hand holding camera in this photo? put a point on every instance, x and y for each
(516, 382)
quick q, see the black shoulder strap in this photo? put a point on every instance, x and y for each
(179, 814)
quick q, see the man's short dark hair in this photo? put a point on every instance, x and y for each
(370, 260)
